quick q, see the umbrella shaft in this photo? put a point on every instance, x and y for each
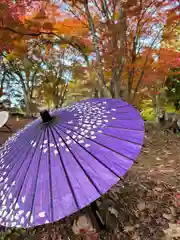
(97, 215)
(46, 117)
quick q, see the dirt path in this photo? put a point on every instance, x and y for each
(149, 203)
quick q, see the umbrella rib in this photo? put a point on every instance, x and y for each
(107, 135)
(19, 151)
(20, 159)
(105, 100)
(65, 171)
(37, 174)
(131, 129)
(138, 130)
(11, 141)
(135, 143)
(98, 190)
(126, 119)
(22, 131)
(94, 156)
(112, 150)
(90, 178)
(50, 177)
(118, 107)
(94, 104)
(121, 106)
(102, 145)
(25, 173)
(83, 118)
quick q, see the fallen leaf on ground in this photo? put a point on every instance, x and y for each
(172, 232)
(128, 228)
(141, 205)
(83, 222)
(113, 211)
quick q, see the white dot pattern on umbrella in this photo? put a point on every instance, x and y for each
(90, 116)
(71, 145)
(13, 213)
(42, 214)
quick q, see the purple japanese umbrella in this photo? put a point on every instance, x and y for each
(65, 160)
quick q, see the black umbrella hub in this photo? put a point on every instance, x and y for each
(46, 117)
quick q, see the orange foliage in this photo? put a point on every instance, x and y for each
(141, 18)
(131, 35)
(24, 19)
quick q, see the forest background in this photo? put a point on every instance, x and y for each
(53, 53)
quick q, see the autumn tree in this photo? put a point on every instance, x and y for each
(12, 27)
(123, 36)
(24, 20)
(119, 40)
(166, 66)
(56, 70)
(22, 73)
(173, 88)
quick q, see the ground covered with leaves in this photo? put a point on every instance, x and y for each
(145, 205)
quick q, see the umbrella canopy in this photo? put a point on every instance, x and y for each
(4, 115)
(55, 167)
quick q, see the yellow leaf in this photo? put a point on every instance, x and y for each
(11, 56)
(64, 45)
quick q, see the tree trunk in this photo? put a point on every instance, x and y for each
(28, 102)
(115, 85)
(100, 72)
(156, 110)
(123, 49)
(28, 106)
(158, 107)
(63, 95)
(137, 86)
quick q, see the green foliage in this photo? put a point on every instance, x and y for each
(170, 108)
(147, 111)
(173, 88)
(13, 234)
(148, 114)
